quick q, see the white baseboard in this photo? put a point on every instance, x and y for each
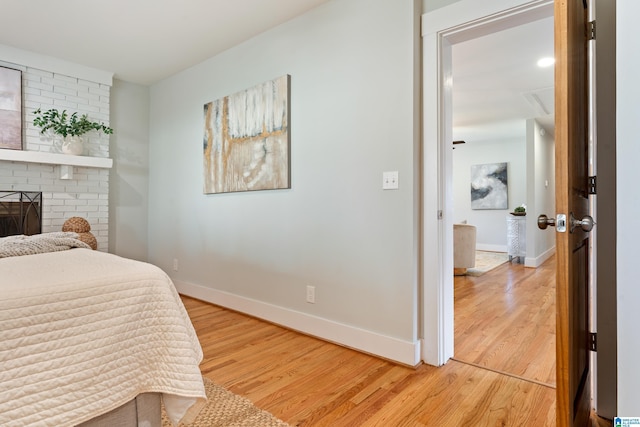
(491, 248)
(540, 259)
(404, 352)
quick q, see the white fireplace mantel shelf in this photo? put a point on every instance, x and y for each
(65, 161)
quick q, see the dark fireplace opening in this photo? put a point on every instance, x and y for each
(20, 213)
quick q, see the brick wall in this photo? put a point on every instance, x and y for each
(87, 194)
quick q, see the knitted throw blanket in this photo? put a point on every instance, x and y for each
(39, 243)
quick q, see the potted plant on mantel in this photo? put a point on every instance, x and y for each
(70, 127)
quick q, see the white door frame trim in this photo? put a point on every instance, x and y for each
(442, 28)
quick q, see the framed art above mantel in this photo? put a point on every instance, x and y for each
(10, 108)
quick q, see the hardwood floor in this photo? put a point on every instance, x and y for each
(505, 320)
(308, 382)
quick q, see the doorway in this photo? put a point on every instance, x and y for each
(441, 30)
(466, 20)
(503, 114)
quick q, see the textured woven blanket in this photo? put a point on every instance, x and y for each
(39, 243)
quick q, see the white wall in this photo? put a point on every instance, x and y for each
(540, 192)
(352, 65)
(628, 175)
(429, 5)
(129, 176)
(491, 226)
(531, 181)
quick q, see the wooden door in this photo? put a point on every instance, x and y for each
(572, 328)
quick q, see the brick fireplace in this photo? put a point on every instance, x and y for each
(67, 190)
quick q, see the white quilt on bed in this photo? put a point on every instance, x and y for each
(83, 332)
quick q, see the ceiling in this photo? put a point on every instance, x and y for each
(496, 80)
(144, 41)
(140, 41)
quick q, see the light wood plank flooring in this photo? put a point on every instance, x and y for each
(505, 320)
(308, 382)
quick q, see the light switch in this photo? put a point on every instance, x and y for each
(390, 180)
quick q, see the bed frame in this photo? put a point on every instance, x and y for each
(144, 410)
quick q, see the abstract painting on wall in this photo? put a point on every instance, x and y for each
(246, 139)
(489, 186)
(10, 108)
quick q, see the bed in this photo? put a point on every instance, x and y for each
(87, 335)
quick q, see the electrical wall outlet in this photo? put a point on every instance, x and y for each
(390, 180)
(311, 294)
(175, 264)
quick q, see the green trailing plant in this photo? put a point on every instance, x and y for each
(520, 209)
(65, 124)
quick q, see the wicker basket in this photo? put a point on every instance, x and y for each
(81, 226)
(89, 239)
(77, 225)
